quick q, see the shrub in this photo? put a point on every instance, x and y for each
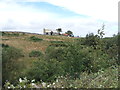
(92, 40)
(45, 70)
(4, 45)
(22, 83)
(58, 44)
(107, 78)
(55, 53)
(10, 34)
(35, 54)
(35, 39)
(10, 65)
(73, 59)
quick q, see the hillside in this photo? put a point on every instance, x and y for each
(21, 40)
(81, 63)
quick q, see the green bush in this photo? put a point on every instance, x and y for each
(4, 45)
(58, 44)
(107, 78)
(35, 39)
(10, 65)
(10, 34)
(55, 53)
(78, 58)
(73, 59)
(92, 40)
(35, 54)
(56, 41)
(45, 70)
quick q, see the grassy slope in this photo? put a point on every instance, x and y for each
(22, 42)
(108, 78)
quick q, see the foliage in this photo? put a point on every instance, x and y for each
(23, 83)
(12, 34)
(35, 39)
(9, 62)
(35, 53)
(45, 70)
(101, 31)
(92, 40)
(59, 30)
(107, 78)
(58, 44)
(69, 32)
(75, 59)
(72, 58)
(83, 62)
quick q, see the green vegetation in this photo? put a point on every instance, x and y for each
(35, 39)
(35, 54)
(70, 33)
(102, 79)
(10, 65)
(90, 62)
(59, 44)
(12, 33)
(59, 30)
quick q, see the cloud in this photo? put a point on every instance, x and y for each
(99, 9)
(20, 17)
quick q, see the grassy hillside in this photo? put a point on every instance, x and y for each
(89, 62)
(22, 41)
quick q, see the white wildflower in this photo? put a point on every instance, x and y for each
(8, 87)
(48, 85)
(44, 84)
(56, 80)
(33, 80)
(20, 80)
(53, 83)
(33, 84)
(75, 87)
(24, 86)
(100, 85)
(12, 86)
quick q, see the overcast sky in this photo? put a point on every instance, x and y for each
(79, 16)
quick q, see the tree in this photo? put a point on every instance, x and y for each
(70, 33)
(91, 40)
(59, 30)
(101, 32)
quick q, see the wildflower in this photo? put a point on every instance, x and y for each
(75, 87)
(25, 79)
(53, 83)
(33, 84)
(12, 86)
(8, 87)
(24, 86)
(48, 85)
(20, 80)
(56, 80)
(44, 84)
(33, 80)
(100, 85)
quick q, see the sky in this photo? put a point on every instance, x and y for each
(79, 16)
